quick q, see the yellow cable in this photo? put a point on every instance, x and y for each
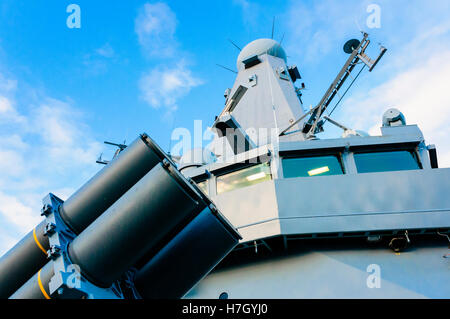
(42, 287)
(37, 242)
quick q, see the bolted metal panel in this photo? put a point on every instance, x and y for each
(139, 221)
(197, 249)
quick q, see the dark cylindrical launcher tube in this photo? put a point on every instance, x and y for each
(37, 287)
(80, 210)
(187, 258)
(161, 203)
(99, 193)
(145, 217)
(23, 260)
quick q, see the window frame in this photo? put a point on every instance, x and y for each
(338, 154)
(390, 149)
(237, 168)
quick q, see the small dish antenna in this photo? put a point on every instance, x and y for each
(351, 45)
(356, 49)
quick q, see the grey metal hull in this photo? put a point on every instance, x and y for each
(317, 270)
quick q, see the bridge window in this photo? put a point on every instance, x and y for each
(386, 161)
(203, 186)
(243, 178)
(312, 166)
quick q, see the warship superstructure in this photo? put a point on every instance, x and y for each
(270, 210)
(357, 216)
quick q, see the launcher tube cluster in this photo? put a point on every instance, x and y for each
(137, 213)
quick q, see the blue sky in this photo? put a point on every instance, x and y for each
(143, 66)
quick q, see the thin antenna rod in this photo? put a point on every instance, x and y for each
(358, 26)
(228, 69)
(170, 138)
(348, 88)
(234, 44)
(282, 38)
(273, 26)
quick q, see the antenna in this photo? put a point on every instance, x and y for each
(273, 26)
(359, 27)
(340, 99)
(341, 126)
(120, 148)
(228, 69)
(356, 49)
(229, 40)
(282, 38)
(100, 160)
(169, 152)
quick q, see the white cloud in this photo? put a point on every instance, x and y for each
(21, 216)
(63, 133)
(11, 162)
(49, 150)
(5, 105)
(7, 85)
(13, 141)
(251, 13)
(312, 29)
(412, 76)
(98, 60)
(163, 86)
(420, 92)
(106, 51)
(6, 242)
(155, 27)
(7, 111)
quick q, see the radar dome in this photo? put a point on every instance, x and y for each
(261, 46)
(393, 117)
